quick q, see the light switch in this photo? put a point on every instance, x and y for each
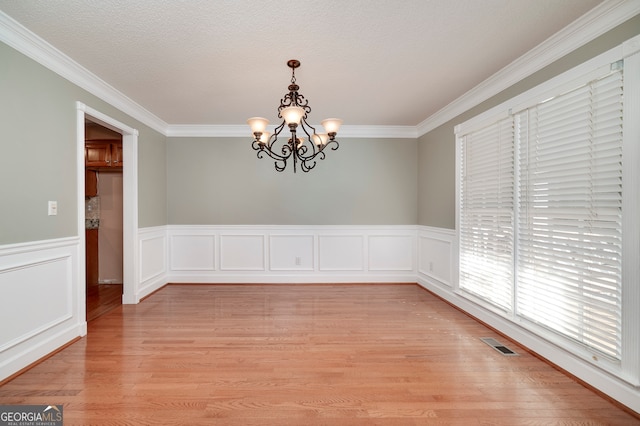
(53, 208)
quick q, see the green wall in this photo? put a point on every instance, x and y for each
(436, 149)
(220, 181)
(38, 155)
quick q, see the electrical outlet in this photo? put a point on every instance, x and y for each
(430, 266)
(298, 261)
(53, 208)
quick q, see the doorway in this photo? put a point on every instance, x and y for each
(103, 219)
(130, 249)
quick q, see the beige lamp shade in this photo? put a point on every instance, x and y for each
(264, 137)
(320, 138)
(257, 124)
(292, 114)
(331, 125)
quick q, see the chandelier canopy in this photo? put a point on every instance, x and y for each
(294, 110)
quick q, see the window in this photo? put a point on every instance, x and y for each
(486, 221)
(569, 267)
(548, 210)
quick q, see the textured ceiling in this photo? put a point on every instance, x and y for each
(370, 62)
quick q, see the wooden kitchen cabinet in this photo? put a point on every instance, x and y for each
(103, 154)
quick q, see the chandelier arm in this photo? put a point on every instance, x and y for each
(262, 152)
(256, 145)
(303, 156)
(287, 151)
(267, 149)
(273, 138)
(306, 168)
(319, 155)
(335, 142)
(306, 153)
(302, 102)
(306, 126)
(314, 149)
(309, 162)
(286, 101)
(278, 158)
(301, 151)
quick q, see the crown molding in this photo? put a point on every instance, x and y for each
(402, 132)
(208, 131)
(601, 19)
(594, 23)
(29, 44)
(242, 130)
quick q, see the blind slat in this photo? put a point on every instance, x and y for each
(570, 215)
(486, 237)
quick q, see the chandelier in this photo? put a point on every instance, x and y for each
(294, 110)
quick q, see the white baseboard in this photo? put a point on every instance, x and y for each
(248, 254)
(608, 384)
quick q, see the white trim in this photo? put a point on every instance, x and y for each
(631, 223)
(304, 252)
(243, 131)
(430, 260)
(29, 264)
(599, 379)
(67, 260)
(346, 266)
(240, 260)
(558, 84)
(593, 24)
(599, 20)
(631, 47)
(129, 201)
(30, 246)
(20, 38)
(53, 339)
(151, 260)
(354, 131)
(208, 131)
(621, 382)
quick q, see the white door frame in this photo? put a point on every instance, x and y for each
(130, 250)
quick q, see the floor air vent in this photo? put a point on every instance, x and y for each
(498, 346)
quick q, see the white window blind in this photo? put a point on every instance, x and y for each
(570, 214)
(487, 212)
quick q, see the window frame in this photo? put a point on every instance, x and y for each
(628, 368)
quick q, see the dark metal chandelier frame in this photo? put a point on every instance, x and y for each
(293, 110)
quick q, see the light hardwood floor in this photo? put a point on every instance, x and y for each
(102, 298)
(303, 354)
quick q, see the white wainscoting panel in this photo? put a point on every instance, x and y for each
(391, 253)
(436, 254)
(291, 252)
(433, 239)
(152, 257)
(341, 252)
(193, 252)
(41, 300)
(153, 249)
(242, 252)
